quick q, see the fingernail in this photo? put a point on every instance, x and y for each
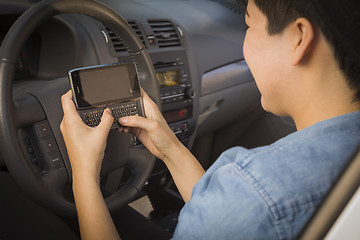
(123, 120)
(108, 110)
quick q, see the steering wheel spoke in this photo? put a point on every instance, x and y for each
(55, 180)
(27, 110)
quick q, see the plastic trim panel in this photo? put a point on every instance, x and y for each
(225, 77)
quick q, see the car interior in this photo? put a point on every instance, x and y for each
(190, 62)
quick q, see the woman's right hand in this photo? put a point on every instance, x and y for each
(153, 131)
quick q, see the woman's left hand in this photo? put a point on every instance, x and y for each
(85, 145)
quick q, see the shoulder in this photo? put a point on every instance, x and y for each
(269, 191)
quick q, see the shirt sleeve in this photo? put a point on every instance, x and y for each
(225, 205)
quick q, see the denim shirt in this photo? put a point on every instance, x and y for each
(269, 192)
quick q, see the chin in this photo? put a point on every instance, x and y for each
(264, 105)
(273, 108)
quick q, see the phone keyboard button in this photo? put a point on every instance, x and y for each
(93, 118)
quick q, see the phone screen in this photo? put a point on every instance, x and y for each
(100, 85)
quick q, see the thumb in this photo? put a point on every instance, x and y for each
(106, 120)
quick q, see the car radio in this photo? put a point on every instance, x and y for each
(176, 96)
(174, 81)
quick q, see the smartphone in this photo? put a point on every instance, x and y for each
(115, 86)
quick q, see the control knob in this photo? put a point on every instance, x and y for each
(189, 92)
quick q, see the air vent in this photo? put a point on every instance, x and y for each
(165, 33)
(117, 43)
(137, 30)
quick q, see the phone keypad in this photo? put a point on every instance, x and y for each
(93, 118)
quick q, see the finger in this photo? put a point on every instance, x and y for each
(146, 97)
(143, 93)
(69, 109)
(125, 130)
(151, 109)
(120, 129)
(106, 120)
(67, 103)
(139, 122)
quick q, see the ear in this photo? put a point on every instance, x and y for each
(304, 33)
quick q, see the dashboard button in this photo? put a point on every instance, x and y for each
(52, 161)
(41, 129)
(47, 145)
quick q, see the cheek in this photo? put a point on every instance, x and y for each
(254, 58)
(264, 60)
(250, 54)
(247, 50)
(245, 46)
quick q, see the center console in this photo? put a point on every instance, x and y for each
(167, 49)
(177, 98)
(177, 94)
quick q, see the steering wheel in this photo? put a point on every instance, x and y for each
(39, 101)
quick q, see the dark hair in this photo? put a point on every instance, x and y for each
(280, 13)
